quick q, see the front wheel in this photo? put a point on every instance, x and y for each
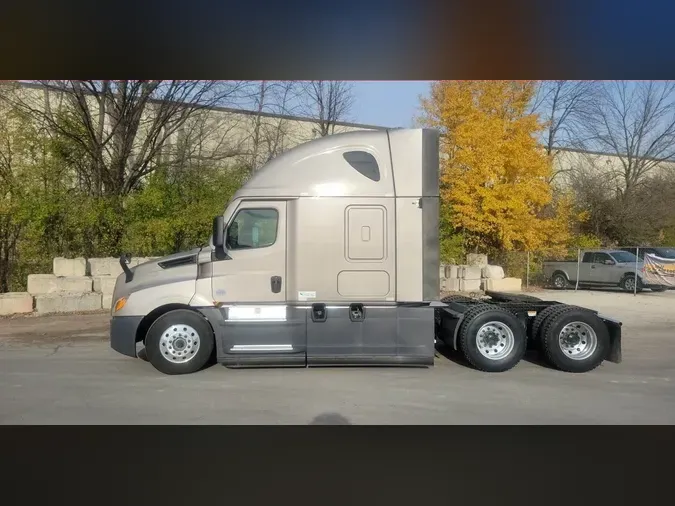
(179, 342)
(492, 339)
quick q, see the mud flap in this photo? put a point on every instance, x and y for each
(614, 328)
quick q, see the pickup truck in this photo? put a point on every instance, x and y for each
(600, 268)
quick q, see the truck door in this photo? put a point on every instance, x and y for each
(250, 285)
(601, 271)
(585, 268)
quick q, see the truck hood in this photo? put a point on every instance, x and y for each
(169, 269)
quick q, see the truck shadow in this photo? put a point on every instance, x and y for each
(330, 419)
(531, 356)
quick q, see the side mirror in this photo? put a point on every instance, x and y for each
(609, 262)
(219, 236)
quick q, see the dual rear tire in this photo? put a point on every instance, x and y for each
(569, 338)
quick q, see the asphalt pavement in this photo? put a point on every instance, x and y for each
(60, 370)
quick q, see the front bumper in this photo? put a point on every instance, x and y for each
(123, 334)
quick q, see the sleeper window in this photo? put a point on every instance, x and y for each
(253, 228)
(364, 163)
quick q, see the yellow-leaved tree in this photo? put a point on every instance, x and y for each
(495, 189)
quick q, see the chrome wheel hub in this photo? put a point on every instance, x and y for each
(179, 343)
(495, 340)
(578, 340)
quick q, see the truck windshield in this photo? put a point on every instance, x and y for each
(623, 257)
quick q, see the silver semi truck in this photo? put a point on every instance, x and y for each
(329, 255)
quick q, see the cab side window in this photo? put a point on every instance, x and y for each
(253, 228)
(600, 258)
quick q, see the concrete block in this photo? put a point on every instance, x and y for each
(39, 284)
(504, 285)
(70, 266)
(471, 273)
(477, 259)
(493, 272)
(107, 301)
(15, 302)
(67, 302)
(141, 260)
(105, 284)
(452, 271)
(469, 285)
(104, 267)
(450, 285)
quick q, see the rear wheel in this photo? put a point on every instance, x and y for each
(179, 342)
(492, 339)
(574, 340)
(628, 284)
(538, 320)
(559, 281)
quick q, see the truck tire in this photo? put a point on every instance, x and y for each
(457, 298)
(627, 285)
(538, 320)
(574, 340)
(179, 342)
(491, 338)
(559, 280)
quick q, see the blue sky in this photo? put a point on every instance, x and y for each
(387, 103)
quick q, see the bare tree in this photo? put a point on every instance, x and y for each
(562, 105)
(327, 103)
(272, 101)
(124, 127)
(635, 121)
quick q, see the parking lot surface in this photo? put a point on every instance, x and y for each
(60, 370)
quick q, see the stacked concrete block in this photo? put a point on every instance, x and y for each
(450, 285)
(98, 267)
(41, 284)
(15, 303)
(472, 273)
(70, 267)
(67, 302)
(493, 272)
(469, 285)
(504, 285)
(77, 284)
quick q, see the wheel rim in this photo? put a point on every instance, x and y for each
(559, 282)
(629, 284)
(495, 340)
(179, 343)
(578, 340)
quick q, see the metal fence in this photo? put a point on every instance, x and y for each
(632, 268)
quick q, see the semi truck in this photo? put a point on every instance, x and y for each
(329, 255)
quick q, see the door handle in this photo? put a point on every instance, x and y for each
(275, 281)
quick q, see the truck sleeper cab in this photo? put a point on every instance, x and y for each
(329, 255)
